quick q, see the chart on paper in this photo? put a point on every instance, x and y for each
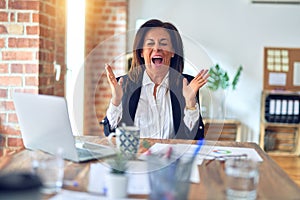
(206, 152)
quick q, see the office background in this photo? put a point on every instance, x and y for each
(231, 32)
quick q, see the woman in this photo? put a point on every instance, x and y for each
(155, 95)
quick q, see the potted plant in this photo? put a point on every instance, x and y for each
(117, 179)
(218, 82)
(219, 78)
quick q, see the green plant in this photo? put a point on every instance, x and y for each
(118, 163)
(219, 78)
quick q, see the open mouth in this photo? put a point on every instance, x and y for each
(157, 60)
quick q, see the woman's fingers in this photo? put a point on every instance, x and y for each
(202, 77)
(110, 74)
(199, 74)
(203, 74)
(116, 87)
(199, 80)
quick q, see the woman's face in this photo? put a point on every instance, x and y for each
(157, 51)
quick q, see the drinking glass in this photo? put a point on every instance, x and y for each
(51, 171)
(242, 176)
(169, 179)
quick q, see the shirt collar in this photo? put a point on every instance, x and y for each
(147, 80)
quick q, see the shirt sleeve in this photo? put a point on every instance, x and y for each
(191, 117)
(114, 114)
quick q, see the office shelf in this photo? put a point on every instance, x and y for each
(227, 129)
(279, 124)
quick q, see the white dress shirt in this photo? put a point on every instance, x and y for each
(154, 115)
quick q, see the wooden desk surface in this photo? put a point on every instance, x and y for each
(274, 183)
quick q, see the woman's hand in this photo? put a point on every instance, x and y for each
(190, 90)
(115, 86)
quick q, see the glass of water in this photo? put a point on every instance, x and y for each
(242, 176)
(169, 179)
(51, 171)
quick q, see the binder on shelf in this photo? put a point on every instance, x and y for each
(278, 110)
(290, 111)
(284, 111)
(296, 111)
(280, 130)
(267, 109)
(272, 110)
(282, 108)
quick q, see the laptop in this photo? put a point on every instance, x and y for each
(45, 125)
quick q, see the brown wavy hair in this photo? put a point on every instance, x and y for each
(138, 63)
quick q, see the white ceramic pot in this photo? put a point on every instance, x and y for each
(116, 185)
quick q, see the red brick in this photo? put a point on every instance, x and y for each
(50, 9)
(16, 68)
(99, 4)
(44, 20)
(35, 17)
(106, 32)
(24, 4)
(12, 42)
(3, 16)
(9, 130)
(46, 81)
(10, 81)
(2, 4)
(31, 68)
(12, 117)
(60, 58)
(32, 30)
(12, 17)
(52, 22)
(49, 90)
(46, 56)
(46, 32)
(117, 4)
(15, 142)
(23, 42)
(31, 81)
(23, 17)
(3, 94)
(105, 17)
(7, 105)
(2, 42)
(17, 55)
(3, 29)
(3, 68)
(108, 10)
(99, 9)
(50, 45)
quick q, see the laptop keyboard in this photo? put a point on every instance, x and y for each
(87, 153)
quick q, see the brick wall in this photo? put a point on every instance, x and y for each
(32, 38)
(60, 46)
(52, 46)
(105, 43)
(29, 38)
